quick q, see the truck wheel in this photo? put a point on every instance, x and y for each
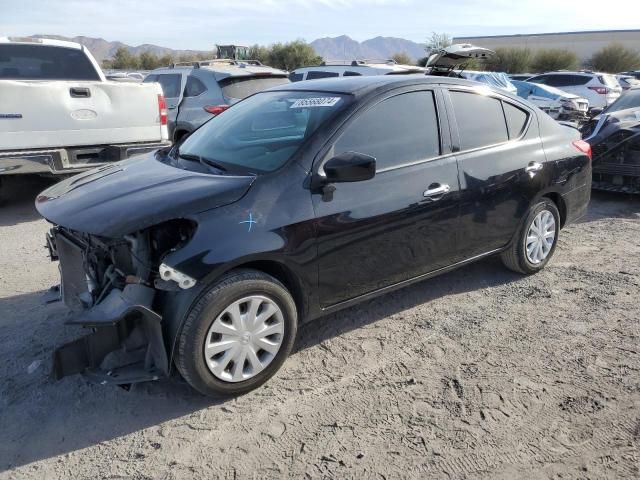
(237, 334)
(536, 240)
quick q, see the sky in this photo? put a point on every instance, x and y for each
(201, 24)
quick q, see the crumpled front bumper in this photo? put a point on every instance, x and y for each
(124, 325)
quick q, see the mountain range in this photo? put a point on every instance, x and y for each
(332, 49)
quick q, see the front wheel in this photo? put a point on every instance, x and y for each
(237, 335)
(536, 240)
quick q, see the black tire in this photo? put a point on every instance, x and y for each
(515, 257)
(190, 357)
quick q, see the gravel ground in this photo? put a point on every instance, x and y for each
(479, 373)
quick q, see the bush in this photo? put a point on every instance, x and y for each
(402, 58)
(292, 55)
(510, 60)
(615, 58)
(554, 59)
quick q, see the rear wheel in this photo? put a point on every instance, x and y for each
(536, 240)
(237, 335)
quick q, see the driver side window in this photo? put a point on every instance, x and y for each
(398, 130)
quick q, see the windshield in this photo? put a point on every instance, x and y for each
(630, 99)
(261, 133)
(242, 87)
(36, 62)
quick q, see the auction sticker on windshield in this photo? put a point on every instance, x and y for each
(315, 102)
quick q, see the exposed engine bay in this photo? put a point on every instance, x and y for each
(113, 287)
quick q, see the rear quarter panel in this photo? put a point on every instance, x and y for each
(572, 168)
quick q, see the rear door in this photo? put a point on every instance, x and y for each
(502, 167)
(403, 222)
(172, 84)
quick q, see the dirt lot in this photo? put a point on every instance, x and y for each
(480, 373)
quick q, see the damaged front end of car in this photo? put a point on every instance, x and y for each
(113, 287)
(616, 152)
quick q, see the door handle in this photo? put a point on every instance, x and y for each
(79, 92)
(436, 190)
(533, 167)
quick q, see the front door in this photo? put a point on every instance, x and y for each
(400, 224)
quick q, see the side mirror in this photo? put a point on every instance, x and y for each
(350, 167)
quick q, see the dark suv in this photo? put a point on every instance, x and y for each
(296, 202)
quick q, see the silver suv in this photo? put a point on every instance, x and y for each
(601, 89)
(196, 92)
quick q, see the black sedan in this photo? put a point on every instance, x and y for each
(296, 202)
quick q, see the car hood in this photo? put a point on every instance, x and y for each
(128, 196)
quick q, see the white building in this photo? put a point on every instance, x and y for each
(584, 44)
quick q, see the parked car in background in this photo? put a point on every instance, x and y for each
(615, 138)
(558, 104)
(601, 89)
(627, 81)
(633, 73)
(356, 68)
(494, 79)
(120, 76)
(297, 202)
(198, 91)
(59, 114)
(521, 76)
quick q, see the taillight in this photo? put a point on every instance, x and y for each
(216, 109)
(583, 146)
(162, 109)
(600, 90)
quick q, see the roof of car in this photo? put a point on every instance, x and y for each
(365, 84)
(222, 69)
(48, 42)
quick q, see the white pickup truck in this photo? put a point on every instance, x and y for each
(59, 115)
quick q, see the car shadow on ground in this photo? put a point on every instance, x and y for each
(612, 205)
(83, 414)
(17, 196)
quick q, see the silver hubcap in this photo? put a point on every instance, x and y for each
(540, 237)
(244, 339)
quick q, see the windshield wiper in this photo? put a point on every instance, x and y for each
(205, 161)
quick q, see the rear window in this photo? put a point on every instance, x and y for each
(567, 80)
(631, 99)
(480, 120)
(242, 87)
(609, 81)
(315, 74)
(171, 84)
(516, 119)
(36, 62)
(351, 74)
(296, 77)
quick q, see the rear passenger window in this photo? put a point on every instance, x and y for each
(398, 130)
(171, 84)
(351, 74)
(516, 119)
(317, 74)
(480, 120)
(194, 87)
(296, 77)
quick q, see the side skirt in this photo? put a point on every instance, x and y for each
(404, 283)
